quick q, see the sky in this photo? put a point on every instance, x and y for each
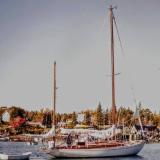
(75, 34)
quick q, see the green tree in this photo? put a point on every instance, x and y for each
(17, 111)
(47, 120)
(99, 115)
(87, 118)
(74, 118)
(106, 117)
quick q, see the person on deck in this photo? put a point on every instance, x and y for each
(69, 140)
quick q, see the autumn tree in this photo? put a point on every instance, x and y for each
(156, 120)
(125, 116)
(64, 117)
(146, 115)
(58, 117)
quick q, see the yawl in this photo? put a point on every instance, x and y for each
(104, 148)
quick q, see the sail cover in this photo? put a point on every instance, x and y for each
(102, 134)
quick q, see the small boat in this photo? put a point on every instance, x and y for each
(4, 139)
(23, 156)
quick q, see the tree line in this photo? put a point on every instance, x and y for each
(98, 117)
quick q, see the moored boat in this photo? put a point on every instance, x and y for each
(23, 156)
(109, 146)
(127, 149)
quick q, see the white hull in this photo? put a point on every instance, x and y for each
(129, 150)
(24, 156)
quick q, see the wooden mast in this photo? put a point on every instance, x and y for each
(54, 101)
(112, 67)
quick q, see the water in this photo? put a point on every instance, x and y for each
(149, 152)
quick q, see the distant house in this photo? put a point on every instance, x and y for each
(69, 121)
(6, 116)
(134, 131)
(146, 127)
(35, 124)
(80, 117)
(62, 124)
(81, 126)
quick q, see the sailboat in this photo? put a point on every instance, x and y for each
(105, 148)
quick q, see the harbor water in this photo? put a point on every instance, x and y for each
(149, 152)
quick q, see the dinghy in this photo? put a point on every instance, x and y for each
(23, 156)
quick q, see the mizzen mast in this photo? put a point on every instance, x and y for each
(112, 66)
(54, 95)
(54, 101)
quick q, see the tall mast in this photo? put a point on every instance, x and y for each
(54, 101)
(112, 67)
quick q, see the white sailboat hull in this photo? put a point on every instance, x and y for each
(128, 150)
